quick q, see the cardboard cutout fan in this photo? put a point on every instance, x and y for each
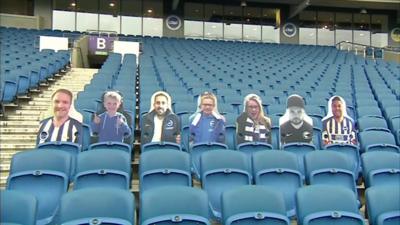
(295, 125)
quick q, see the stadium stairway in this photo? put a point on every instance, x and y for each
(19, 127)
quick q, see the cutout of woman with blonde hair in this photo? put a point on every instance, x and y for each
(252, 125)
(207, 125)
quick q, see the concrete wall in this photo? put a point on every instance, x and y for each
(43, 10)
(19, 21)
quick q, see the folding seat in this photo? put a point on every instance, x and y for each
(279, 170)
(366, 123)
(160, 146)
(223, 170)
(381, 168)
(317, 136)
(97, 206)
(250, 205)
(164, 168)
(111, 145)
(43, 174)
(352, 152)
(172, 205)
(395, 128)
(17, 208)
(103, 168)
(196, 150)
(276, 109)
(300, 150)
(8, 91)
(324, 204)
(383, 205)
(249, 148)
(72, 149)
(330, 168)
(377, 140)
(391, 111)
(368, 111)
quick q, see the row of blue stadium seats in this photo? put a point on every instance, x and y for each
(245, 205)
(47, 172)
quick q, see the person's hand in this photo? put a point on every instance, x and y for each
(120, 121)
(178, 139)
(96, 119)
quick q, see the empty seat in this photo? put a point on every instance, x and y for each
(381, 168)
(17, 208)
(366, 123)
(198, 149)
(43, 174)
(330, 168)
(98, 206)
(103, 168)
(300, 150)
(251, 205)
(223, 170)
(278, 170)
(111, 145)
(377, 140)
(174, 205)
(164, 167)
(383, 204)
(323, 205)
(160, 146)
(352, 152)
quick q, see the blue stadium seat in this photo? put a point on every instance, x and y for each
(323, 204)
(160, 146)
(383, 205)
(111, 145)
(97, 206)
(300, 150)
(381, 168)
(223, 170)
(367, 123)
(172, 205)
(279, 170)
(43, 174)
(377, 140)
(103, 168)
(352, 152)
(17, 208)
(251, 205)
(163, 168)
(198, 149)
(330, 168)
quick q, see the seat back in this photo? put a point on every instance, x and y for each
(163, 168)
(251, 205)
(174, 205)
(11, 211)
(383, 204)
(381, 168)
(98, 206)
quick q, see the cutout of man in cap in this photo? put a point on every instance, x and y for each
(338, 127)
(295, 125)
(160, 124)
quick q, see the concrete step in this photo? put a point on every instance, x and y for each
(40, 103)
(17, 138)
(5, 130)
(16, 123)
(27, 112)
(17, 146)
(24, 118)
(35, 107)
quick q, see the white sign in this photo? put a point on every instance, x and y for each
(55, 43)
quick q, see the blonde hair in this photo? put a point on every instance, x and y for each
(112, 94)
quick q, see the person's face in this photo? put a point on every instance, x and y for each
(296, 115)
(111, 105)
(61, 105)
(253, 109)
(207, 106)
(337, 109)
(160, 105)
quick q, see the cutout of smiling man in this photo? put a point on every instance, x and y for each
(295, 125)
(160, 124)
(60, 126)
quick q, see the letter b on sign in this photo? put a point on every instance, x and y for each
(101, 43)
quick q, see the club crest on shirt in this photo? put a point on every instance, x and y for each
(169, 124)
(306, 135)
(345, 128)
(212, 123)
(43, 135)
